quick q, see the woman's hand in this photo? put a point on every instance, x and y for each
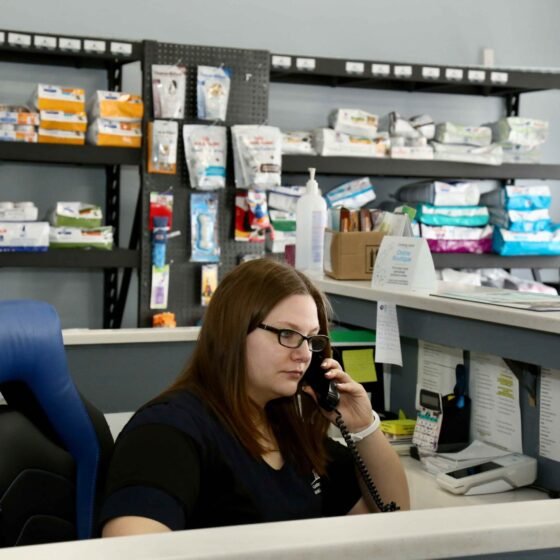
(354, 404)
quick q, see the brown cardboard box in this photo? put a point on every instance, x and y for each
(350, 255)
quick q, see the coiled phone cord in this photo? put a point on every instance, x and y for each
(374, 493)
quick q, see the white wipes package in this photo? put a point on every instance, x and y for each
(212, 93)
(353, 194)
(205, 153)
(354, 122)
(168, 89)
(297, 142)
(257, 152)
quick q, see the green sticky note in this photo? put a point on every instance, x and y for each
(359, 363)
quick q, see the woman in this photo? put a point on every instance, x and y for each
(239, 438)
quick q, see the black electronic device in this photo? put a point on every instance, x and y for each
(325, 389)
(328, 398)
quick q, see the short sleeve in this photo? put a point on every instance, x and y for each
(154, 473)
(341, 489)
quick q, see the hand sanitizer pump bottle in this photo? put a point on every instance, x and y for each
(311, 220)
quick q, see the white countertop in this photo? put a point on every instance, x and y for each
(129, 336)
(444, 532)
(540, 321)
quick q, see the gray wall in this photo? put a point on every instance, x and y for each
(433, 31)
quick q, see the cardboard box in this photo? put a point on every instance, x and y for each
(351, 255)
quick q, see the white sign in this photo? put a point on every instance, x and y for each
(355, 67)
(404, 263)
(305, 63)
(380, 69)
(69, 44)
(403, 71)
(42, 41)
(121, 48)
(387, 340)
(430, 72)
(453, 73)
(281, 61)
(94, 46)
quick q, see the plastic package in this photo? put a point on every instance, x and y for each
(328, 142)
(81, 238)
(297, 142)
(521, 220)
(257, 152)
(519, 197)
(204, 228)
(212, 93)
(159, 241)
(452, 215)
(451, 133)
(76, 214)
(168, 90)
(449, 239)
(487, 155)
(354, 122)
(439, 193)
(353, 194)
(163, 137)
(205, 153)
(511, 243)
(520, 130)
(311, 220)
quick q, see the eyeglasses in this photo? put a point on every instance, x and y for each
(293, 339)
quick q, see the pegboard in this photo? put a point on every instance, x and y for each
(248, 104)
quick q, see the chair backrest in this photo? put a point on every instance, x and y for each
(58, 443)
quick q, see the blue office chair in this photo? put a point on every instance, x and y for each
(54, 445)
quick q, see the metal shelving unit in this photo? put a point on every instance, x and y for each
(432, 169)
(505, 83)
(73, 258)
(81, 53)
(428, 78)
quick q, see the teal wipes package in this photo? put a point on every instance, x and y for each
(212, 93)
(204, 228)
(205, 154)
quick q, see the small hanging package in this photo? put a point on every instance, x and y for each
(205, 153)
(204, 228)
(168, 90)
(212, 93)
(162, 147)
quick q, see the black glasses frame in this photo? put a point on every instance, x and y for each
(321, 339)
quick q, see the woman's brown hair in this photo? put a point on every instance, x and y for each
(216, 372)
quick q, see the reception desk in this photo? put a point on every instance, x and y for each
(144, 361)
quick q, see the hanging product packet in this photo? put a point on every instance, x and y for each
(205, 153)
(257, 152)
(204, 228)
(212, 93)
(163, 137)
(168, 91)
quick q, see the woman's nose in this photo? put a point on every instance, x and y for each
(302, 353)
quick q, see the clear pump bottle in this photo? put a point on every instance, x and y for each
(311, 220)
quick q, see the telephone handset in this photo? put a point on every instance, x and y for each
(328, 398)
(325, 389)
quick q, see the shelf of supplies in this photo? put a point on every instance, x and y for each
(73, 258)
(431, 169)
(67, 50)
(61, 153)
(468, 260)
(357, 73)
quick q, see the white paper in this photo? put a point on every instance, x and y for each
(436, 368)
(549, 422)
(387, 339)
(495, 411)
(404, 263)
